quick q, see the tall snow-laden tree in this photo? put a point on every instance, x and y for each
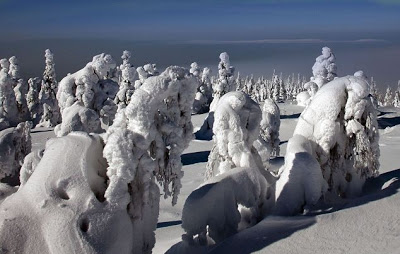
(14, 70)
(388, 100)
(93, 88)
(324, 69)
(32, 99)
(221, 86)
(337, 138)
(126, 81)
(269, 126)
(144, 144)
(20, 91)
(48, 94)
(8, 105)
(236, 177)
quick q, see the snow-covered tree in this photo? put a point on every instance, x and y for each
(14, 70)
(20, 91)
(8, 110)
(144, 144)
(92, 87)
(51, 112)
(126, 81)
(15, 144)
(32, 99)
(339, 131)
(223, 85)
(144, 72)
(237, 180)
(324, 69)
(269, 127)
(388, 101)
(276, 88)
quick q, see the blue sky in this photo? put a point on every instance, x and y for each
(202, 19)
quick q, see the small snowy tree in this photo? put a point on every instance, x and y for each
(32, 99)
(144, 144)
(14, 70)
(388, 101)
(269, 126)
(126, 81)
(48, 92)
(223, 85)
(20, 91)
(237, 180)
(15, 144)
(324, 69)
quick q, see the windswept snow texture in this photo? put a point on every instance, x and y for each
(340, 126)
(60, 208)
(145, 144)
(93, 87)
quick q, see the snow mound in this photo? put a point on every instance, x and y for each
(60, 209)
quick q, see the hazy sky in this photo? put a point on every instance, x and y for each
(201, 19)
(259, 35)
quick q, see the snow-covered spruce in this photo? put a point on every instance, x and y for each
(15, 144)
(66, 202)
(235, 173)
(128, 76)
(92, 87)
(32, 99)
(341, 126)
(144, 144)
(224, 84)
(8, 110)
(269, 130)
(203, 96)
(20, 91)
(51, 115)
(324, 68)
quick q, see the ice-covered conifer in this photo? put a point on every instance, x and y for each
(224, 83)
(221, 86)
(8, 109)
(48, 94)
(324, 69)
(20, 91)
(340, 129)
(269, 126)
(388, 100)
(396, 100)
(144, 144)
(126, 81)
(92, 87)
(32, 99)
(15, 144)
(235, 173)
(276, 88)
(14, 70)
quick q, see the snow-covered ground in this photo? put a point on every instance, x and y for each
(368, 224)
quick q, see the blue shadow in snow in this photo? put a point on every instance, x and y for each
(193, 158)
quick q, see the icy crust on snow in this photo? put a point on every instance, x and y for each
(15, 144)
(145, 144)
(93, 86)
(239, 190)
(60, 208)
(341, 126)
